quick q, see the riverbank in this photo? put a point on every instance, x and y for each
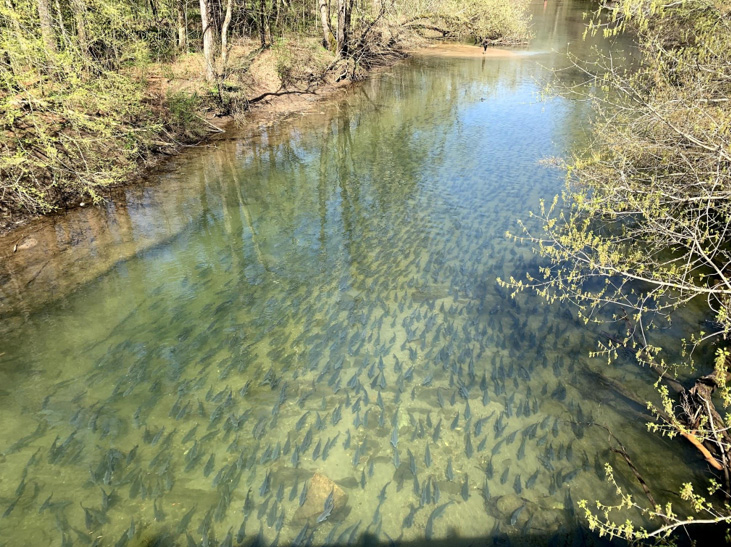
(178, 109)
(49, 256)
(83, 113)
(265, 85)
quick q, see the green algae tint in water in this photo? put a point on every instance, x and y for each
(330, 306)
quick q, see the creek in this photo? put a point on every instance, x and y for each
(320, 297)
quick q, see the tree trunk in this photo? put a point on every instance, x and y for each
(224, 34)
(262, 23)
(62, 26)
(182, 30)
(153, 9)
(49, 37)
(77, 6)
(325, 20)
(348, 13)
(342, 28)
(274, 19)
(207, 40)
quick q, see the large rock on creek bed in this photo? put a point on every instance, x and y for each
(317, 492)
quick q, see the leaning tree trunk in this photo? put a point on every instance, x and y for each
(207, 40)
(325, 20)
(224, 34)
(47, 33)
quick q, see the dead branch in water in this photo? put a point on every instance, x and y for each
(622, 451)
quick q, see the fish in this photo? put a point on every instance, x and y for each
(293, 491)
(337, 414)
(427, 456)
(521, 449)
(449, 472)
(327, 508)
(412, 462)
(516, 515)
(382, 495)
(263, 508)
(531, 480)
(301, 536)
(409, 519)
(121, 542)
(436, 493)
(468, 445)
(264, 488)
(21, 443)
(438, 512)
(228, 541)
(486, 490)
(183, 524)
(346, 443)
(394, 437)
(248, 504)
(303, 494)
(306, 441)
(426, 493)
(241, 534)
(302, 421)
(437, 431)
(209, 465)
(376, 515)
(272, 516)
(465, 488)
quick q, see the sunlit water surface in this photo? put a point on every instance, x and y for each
(328, 303)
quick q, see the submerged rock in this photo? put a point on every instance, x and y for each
(319, 489)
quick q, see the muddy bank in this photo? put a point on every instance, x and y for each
(464, 50)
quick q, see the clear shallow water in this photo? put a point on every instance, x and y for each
(327, 304)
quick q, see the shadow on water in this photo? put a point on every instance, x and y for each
(580, 536)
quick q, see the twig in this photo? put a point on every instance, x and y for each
(216, 129)
(622, 451)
